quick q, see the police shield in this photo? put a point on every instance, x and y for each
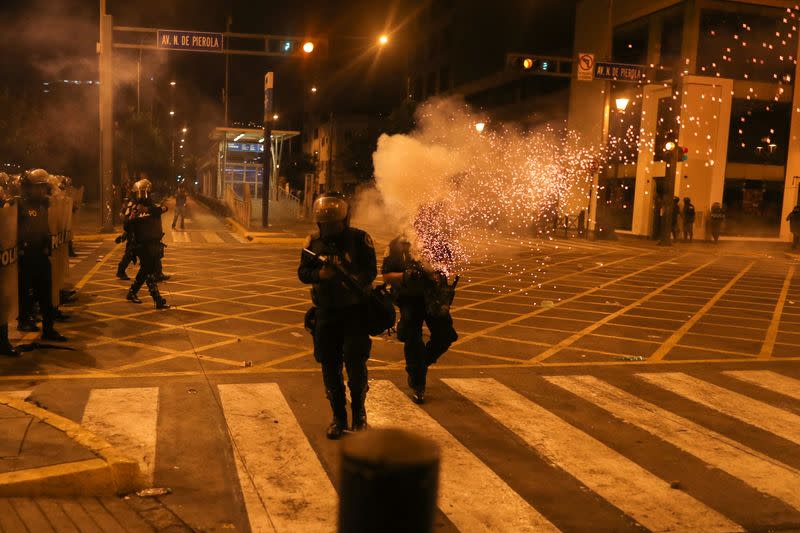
(57, 218)
(8, 262)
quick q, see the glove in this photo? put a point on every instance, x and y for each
(118, 239)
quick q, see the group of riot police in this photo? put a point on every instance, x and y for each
(30, 248)
(335, 262)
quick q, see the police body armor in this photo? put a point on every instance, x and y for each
(8, 261)
(144, 222)
(34, 228)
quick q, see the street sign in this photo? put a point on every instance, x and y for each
(586, 67)
(618, 72)
(189, 40)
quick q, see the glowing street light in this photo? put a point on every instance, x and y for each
(275, 116)
(184, 130)
(308, 47)
(383, 40)
(172, 84)
(314, 89)
(622, 103)
(172, 113)
(480, 126)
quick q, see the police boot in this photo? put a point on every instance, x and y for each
(132, 297)
(339, 423)
(159, 300)
(49, 333)
(417, 386)
(121, 274)
(5, 344)
(27, 324)
(359, 412)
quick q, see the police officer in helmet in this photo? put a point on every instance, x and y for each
(423, 296)
(340, 333)
(144, 224)
(35, 270)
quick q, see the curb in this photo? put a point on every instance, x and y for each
(92, 237)
(264, 237)
(110, 473)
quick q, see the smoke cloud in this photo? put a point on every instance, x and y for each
(455, 191)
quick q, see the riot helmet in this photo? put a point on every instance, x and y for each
(35, 184)
(142, 188)
(331, 207)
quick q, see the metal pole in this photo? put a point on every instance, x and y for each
(265, 178)
(227, 56)
(106, 102)
(389, 482)
(668, 194)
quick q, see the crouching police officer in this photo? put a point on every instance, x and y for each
(340, 332)
(144, 226)
(422, 295)
(35, 270)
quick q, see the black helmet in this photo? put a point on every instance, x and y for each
(331, 207)
(31, 179)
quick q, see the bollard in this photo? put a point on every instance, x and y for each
(389, 482)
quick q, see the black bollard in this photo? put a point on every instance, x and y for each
(389, 482)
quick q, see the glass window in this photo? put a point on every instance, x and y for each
(742, 44)
(759, 132)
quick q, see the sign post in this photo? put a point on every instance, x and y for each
(265, 181)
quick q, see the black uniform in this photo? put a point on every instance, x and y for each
(410, 298)
(129, 255)
(340, 335)
(144, 227)
(35, 272)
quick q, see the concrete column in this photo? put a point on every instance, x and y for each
(792, 180)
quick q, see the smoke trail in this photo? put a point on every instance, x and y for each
(455, 191)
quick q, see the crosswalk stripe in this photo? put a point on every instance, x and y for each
(769, 380)
(641, 495)
(753, 412)
(180, 236)
(754, 468)
(127, 418)
(238, 237)
(16, 394)
(211, 236)
(293, 490)
(472, 496)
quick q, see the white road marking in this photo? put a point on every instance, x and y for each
(769, 380)
(753, 412)
(211, 236)
(761, 472)
(472, 496)
(290, 489)
(126, 418)
(644, 497)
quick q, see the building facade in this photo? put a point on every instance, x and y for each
(734, 65)
(329, 143)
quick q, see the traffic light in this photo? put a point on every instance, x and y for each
(683, 153)
(531, 64)
(680, 153)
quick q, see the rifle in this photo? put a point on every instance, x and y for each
(437, 291)
(350, 281)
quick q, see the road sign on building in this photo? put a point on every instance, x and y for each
(618, 72)
(586, 67)
(189, 40)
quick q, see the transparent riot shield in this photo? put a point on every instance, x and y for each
(57, 220)
(8, 263)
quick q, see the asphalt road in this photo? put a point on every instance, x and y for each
(595, 386)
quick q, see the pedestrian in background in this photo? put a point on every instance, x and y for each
(688, 220)
(676, 213)
(715, 220)
(180, 206)
(794, 226)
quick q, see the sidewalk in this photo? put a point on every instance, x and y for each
(57, 476)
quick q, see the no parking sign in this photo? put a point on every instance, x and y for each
(586, 67)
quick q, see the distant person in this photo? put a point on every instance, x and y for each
(688, 219)
(794, 226)
(180, 206)
(715, 220)
(676, 212)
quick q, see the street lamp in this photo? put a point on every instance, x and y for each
(172, 84)
(172, 113)
(275, 116)
(308, 47)
(480, 126)
(622, 103)
(383, 40)
(184, 130)
(314, 89)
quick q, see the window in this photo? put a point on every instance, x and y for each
(671, 37)
(759, 132)
(630, 42)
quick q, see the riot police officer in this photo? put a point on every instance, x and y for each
(340, 332)
(9, 256)
(35, 270)
(144, 226)
(128, 256)
(422, 295)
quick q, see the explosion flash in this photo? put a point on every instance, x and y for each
(458, 192)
